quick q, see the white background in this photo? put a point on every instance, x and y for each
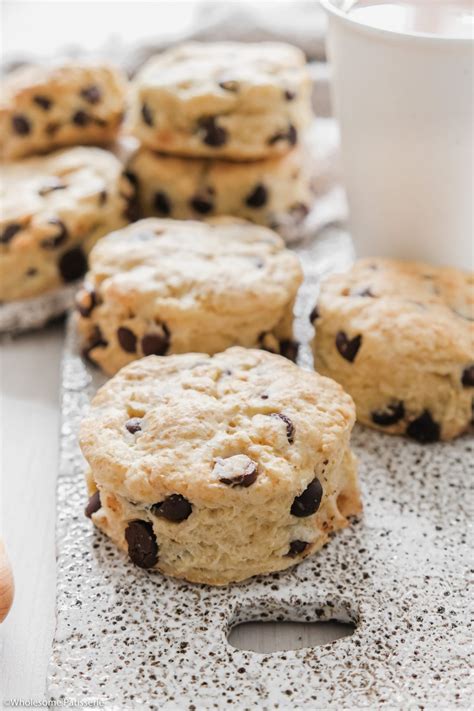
(41, 28)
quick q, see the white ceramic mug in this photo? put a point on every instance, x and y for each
(406, 110)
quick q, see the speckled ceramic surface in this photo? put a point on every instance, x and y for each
(134, 639)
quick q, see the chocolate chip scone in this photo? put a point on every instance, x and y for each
(168, 286)
(218, 468)
(54, 208)
(274, 192)
(223, 99)
(399, 338)
(46, 107)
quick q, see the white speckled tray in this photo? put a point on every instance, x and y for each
(133, 639)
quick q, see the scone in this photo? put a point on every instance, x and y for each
(274, 192)
(42, 108)
(218, 468)
(168, 286)
(53, 209)
(223, 99)
(399, 337)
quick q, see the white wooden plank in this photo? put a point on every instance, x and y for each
(29, 367)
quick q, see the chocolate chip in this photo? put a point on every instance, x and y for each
(31, 272)
(134, 425)
(308, 502)
(229, 85)
(212, 134)
(275, 138)
(175, 508)
(364, 292)
(9, 232)
(314, 315)
(291, 135)
(238, 470)
(93, 504)
(348, 348)
(468, 377)
(424, 429)
(156, 343)
(162, 203)
(142, 545)
(131, 177)
(289, 95)
(103, 195)
(81, 118)
(147, 116)
(86, 300)
(201, 205)
(73, 264)
(393, 413)
(43, 102)
(21, 124)
(96, 340)
(290, 428)
(57, 239)
(258, 197)
(132, 210)
(51, 185)
(289, 349)
(127, 339)
(92, 94)
(297, 547)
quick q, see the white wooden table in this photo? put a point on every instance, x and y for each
(29, 374)
(30, 384)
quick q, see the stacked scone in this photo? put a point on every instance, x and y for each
(221, 128)
(212, 457)
(208, 467)
(159, 287)
(56, 206)
(216, 468)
